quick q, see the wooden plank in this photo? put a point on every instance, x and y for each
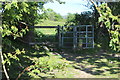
(58, 26)
(44, 26)
(42, 43)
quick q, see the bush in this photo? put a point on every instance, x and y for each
(44, 65)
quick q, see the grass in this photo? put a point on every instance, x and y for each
(49, 31)
(47, 34)
(97, 64)
(88, 62)
(46, 31)
(51, 23)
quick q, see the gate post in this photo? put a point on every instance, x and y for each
(93, 35)
(59, 36)
(74, 37)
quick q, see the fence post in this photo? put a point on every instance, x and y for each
(0, 51)
(86, 36)
(93, 35)
(59, 36)
(62, 37)
(74, 38)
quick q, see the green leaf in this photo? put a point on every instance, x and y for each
(18, 51)
(14, 29)
(8, 6)
(107, 23)
(25, 4)
(101, 19)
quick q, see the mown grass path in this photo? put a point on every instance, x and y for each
(93, 65)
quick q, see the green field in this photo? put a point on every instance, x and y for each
(48, 31)
(47, 34)
(51, 23)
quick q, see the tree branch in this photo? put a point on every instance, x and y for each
(95, 6)
(5, 71)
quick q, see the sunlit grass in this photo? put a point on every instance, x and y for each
(47, 31)
(51, 23)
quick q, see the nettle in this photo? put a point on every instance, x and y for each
(13, 56)
(45, 66)
(112, 23)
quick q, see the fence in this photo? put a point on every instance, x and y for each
(44, 43)
(78, 36)
(81, 36)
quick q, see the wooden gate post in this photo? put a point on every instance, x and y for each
(93, 35)
(86, 36)
(62, 36)
(59, 35)
(74, 37)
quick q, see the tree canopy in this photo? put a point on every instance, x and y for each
(50, 15)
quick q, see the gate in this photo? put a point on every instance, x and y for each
(81, 36)
(43, 42)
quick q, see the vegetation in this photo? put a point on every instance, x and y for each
(85, 18)
(51, 23)
(49, 14)
(21, 61)
(108, 22)
(112, 24)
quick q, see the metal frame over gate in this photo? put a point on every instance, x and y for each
(81, 36)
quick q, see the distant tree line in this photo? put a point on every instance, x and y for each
(49, 14)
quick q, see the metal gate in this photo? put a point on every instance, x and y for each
(81, 36)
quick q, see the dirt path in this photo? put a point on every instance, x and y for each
(89, 65)
(70, 56)
(82, 74)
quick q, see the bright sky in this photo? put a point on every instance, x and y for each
(71, 6)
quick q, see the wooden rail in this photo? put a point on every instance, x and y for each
(44, 26)
(44, 43)
(88, 37)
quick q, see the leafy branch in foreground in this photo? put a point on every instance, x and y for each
(12, 14)
(111, 22)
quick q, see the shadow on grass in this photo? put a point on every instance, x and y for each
(94, 61)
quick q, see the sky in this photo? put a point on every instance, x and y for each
(70, 6)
